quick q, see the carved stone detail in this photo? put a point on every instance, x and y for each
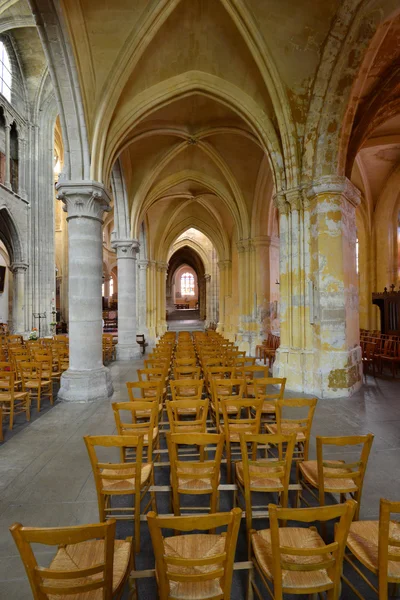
(126, 248)
(88, 199)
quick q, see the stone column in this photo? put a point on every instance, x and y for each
(266, 291)
(142, 312)
(319, 351)
(22, 167)
(208, 298)
(336, 331)
(7, 126)
(18, 317)
(162, 268)
(127, 348)
(86, 379)
(247, 309)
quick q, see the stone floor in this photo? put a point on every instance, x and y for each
(46, 479)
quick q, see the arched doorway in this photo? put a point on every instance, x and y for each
(186, 290)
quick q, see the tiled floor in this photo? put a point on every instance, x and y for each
(46, 480)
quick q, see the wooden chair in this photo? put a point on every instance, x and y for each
(376, 545)
(195, 477)
(194, 411)
(249, 374)
(368, 357)
(222, 389)
(336, 476)
(270, 398)
(146, 390)
(235, 423)
(298, 424)
(89, 561)
(34, 382)
(49, 365)
(153, 375)
(296, 560)
(198, 566)
(15, 339)
(393, 360)
(268, 475)
(186, 389)
(122, 479)
(143, 420)
(217, 373)
(13, 402)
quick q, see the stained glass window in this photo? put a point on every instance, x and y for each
(187, 284)
(6, 74)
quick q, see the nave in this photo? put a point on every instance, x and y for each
(47, 480)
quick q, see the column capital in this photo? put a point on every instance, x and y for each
(87, 199)
(162, 266)
(207, 277)
(281, 203)
(244, 245)
(295, 198)
(127, 248)
(335, 185)
(143, 264)
(224, 264)
(8, 119)
(18, 266)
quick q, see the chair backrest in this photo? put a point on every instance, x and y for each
(196, 409)
(151, 374)
(7, 381)
(202, 468)
(262, 391)
(105, 472)
(189, 361)
(187, 372)
(227, 387)
(30, 370)
(295, 422)
(46, 581)
(249, 372)
(233, 410)
(274, 468)
(143, 419)
(388, 544)
(146, 390)
(341, 469)
(215, 563)
(323, 557)
(186, 388)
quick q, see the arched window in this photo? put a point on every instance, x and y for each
(111, 286)
(187, 284)
(6, 73)
(357, 255)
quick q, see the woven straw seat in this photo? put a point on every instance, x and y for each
(85, 555)
(286, 428)
(198, 482)
(295, 537)
(194, 546)
(125, 485)
(17, 396)
(33, 384)
(261, 476)
(363, 541)
(309, 470)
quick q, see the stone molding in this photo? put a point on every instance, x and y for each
(335, 184)
(279, 199)
(207, 278)
(87, 199)
(15, 267)
(126, 248)
(266, 240)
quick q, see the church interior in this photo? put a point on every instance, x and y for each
(199, 299)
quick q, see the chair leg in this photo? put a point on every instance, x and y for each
(137, 521)
(28, 408)
(11, 418)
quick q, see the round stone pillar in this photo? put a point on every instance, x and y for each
(18, 316)
(127, 348)
(86, 379)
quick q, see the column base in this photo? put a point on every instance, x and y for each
(128, 352)
(86, 386)
(326, 374)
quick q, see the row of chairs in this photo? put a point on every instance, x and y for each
(200, 565)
